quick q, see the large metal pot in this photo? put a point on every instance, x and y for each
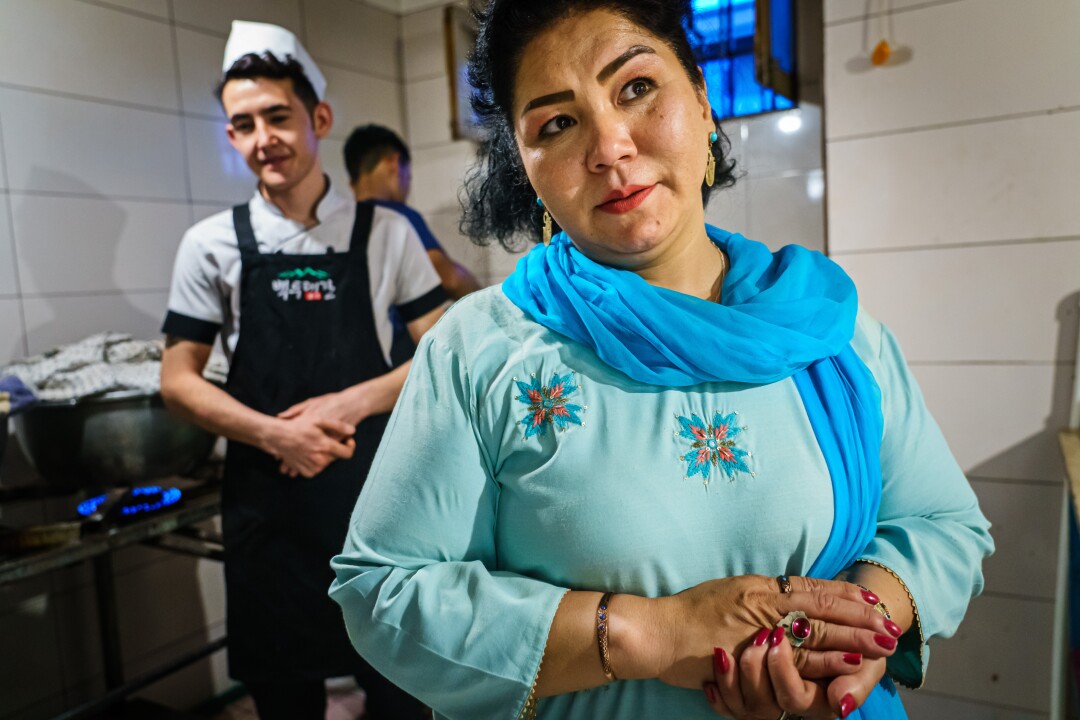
(119, 438)
(3, 437)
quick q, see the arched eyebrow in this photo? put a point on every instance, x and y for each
(608, 70)
(551, 99)
(611, 68)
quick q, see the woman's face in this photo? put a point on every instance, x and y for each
(614, 137)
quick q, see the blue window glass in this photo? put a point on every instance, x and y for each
(723, 38)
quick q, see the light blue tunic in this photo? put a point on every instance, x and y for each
(471, 527)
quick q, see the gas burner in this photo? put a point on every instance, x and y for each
(72, 518)
(89, 507)
(146, 500)
(120, 506)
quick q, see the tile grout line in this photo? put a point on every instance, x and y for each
(1013, 481)
(885, 13)
(984, 703)
(323, 62)
(1019, 597)
(110, 102)
(402, 86)
(180, 103)
(975, 244)
(424, 78)
(116, 292)
(88, 98)
(952, 124)
(14, 249)
(63, 194)
(126, 11)
(991, 363)
(303, 23)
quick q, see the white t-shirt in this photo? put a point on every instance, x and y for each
(205, 298)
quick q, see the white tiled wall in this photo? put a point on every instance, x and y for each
(952, 202)
(111, 145)
(971, 60)
(438, 161)
(779, 196)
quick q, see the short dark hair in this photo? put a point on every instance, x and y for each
(251, 66)
(368, 145)
(499, 203)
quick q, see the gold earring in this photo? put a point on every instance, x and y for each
(710, 169)
(547, 227)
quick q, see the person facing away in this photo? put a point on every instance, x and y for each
(661, 471)
(297, 283)
(380, 169)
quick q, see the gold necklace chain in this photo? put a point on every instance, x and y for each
(723, 270)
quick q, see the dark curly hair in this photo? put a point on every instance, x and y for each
(267, 65)
(498, 201)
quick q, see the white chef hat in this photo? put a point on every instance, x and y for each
(258, 38)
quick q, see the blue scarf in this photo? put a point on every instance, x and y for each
(788, 314)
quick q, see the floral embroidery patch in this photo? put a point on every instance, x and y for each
(549, 404)
(713, 445)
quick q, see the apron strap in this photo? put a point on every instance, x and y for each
(358, 243)
(245, 236)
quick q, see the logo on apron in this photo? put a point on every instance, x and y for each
(304, 284)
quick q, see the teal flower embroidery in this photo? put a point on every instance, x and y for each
(549, 404)
(713, 445)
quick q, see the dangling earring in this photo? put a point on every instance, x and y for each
(710, 169)
(547, 222)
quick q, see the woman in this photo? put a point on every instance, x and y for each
(596, 470)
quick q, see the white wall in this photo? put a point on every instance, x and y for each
(778, 198)
(952, 203)
(111, 145)
(440, 162)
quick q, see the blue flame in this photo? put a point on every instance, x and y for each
(89, 507)
(168, 497)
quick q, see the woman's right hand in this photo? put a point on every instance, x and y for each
(764, 683)
(729, 612)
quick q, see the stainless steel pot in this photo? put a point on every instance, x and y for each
(118, 438)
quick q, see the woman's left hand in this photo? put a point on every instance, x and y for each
(763, 683)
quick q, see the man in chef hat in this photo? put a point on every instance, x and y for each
(297, 283)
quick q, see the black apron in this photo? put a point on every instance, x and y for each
(308, 329)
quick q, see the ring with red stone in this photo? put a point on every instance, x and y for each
(796, 627)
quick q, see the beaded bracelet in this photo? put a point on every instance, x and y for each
(602, 618)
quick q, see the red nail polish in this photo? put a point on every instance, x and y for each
(893, 628)
(710, 693)
(847, 704)
(870, 597)
(762, 636)
(853, 658)
(777, 637)
(721, 661)
(886, 642)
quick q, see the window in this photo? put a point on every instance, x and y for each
(746, 49)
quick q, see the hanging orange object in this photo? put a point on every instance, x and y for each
(881, 53)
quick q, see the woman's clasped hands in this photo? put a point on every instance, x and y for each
(725, 637)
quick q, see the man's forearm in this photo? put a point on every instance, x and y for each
(378, 395)
(462, 283)
(210, 407)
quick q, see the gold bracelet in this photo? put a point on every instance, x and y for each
(881, 607)
(602, 620)
(916, 622)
